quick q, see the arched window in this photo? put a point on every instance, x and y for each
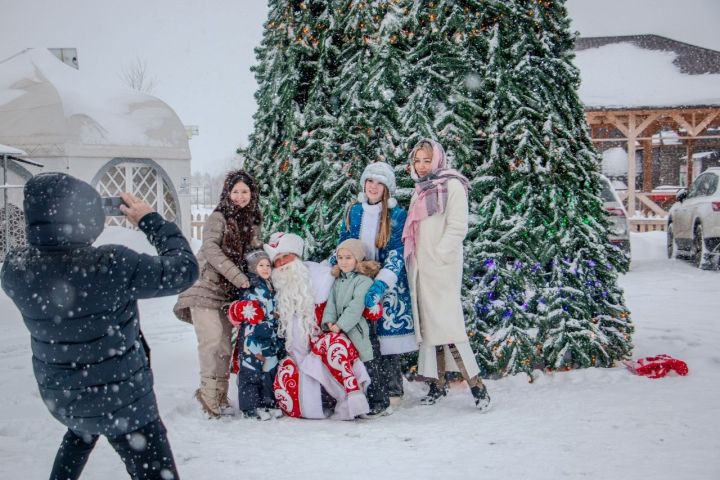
(16, 175)
(16, 228)
(145, 179)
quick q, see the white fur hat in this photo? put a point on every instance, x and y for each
(281, 242)
(380, 172)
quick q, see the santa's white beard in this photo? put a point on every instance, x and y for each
(294, 300)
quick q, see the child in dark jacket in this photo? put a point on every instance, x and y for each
(254, 315)
(345, 311)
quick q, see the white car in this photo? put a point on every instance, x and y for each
(693, 228)
(619, 229)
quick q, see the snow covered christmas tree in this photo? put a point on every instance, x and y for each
(346, 83)
(271, 149)
(541, 274)
(343, 84)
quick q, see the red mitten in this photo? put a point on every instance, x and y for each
(249, 311)
(373, 313)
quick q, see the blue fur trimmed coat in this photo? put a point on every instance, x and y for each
(396, 329)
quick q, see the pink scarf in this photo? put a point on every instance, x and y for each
(432, 194)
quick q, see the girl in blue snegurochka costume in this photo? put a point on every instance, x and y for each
(378, 222)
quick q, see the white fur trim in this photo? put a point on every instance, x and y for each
(322, 281)
(284, 243)
(369, 228)
(392, 203)
(395, 344)
(388, 277)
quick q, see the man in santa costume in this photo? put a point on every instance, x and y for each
(314, 359)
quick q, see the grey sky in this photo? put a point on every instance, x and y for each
(200, 52)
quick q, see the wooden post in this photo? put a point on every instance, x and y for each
(690, 150)
(631, 165)
(647, 165)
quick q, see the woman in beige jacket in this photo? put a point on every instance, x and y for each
(433, 237)
(230, 231)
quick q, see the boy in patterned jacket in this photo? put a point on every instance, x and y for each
(254, 315)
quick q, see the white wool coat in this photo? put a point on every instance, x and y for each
(435, 275)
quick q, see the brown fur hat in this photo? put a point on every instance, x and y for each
(368, 268)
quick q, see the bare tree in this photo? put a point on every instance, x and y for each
(135, 75)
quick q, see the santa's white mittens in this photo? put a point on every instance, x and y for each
(373, 313)
(248, 311)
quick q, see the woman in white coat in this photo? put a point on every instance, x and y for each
(433, 237)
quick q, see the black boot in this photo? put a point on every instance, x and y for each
(482, 398)
(435, 392)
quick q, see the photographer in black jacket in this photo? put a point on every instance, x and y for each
(79, 303)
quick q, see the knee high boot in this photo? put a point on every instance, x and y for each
(208, 395)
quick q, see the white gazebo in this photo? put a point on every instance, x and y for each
(115, 139)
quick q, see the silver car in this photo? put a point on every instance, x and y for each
(617, 215)
(694, 222)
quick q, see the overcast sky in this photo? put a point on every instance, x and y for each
(200, 52)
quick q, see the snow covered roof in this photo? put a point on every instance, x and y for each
(646, 71)
(701, 155)
(45, 102)
(5, 150)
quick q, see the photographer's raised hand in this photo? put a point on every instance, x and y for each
(134, 208)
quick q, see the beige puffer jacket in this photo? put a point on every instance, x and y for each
(209, 291)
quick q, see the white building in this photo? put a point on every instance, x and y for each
(115, 139)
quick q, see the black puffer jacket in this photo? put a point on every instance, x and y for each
(79, 303)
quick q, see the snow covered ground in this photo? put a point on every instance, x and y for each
(595, 423)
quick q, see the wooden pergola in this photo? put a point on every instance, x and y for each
(635, 89)
(635, 126)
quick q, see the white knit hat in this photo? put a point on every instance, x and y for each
(380, 172)
(281, 242)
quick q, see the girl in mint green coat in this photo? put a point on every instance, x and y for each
(344, 312)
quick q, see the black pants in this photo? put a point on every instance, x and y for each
(255, 389)
(392, 369)
(146, 453)
(378, 393)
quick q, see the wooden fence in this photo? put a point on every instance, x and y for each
(197, 223)
(647, 224)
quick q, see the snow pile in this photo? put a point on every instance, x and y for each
(592, 424)
(625, 75)
(614, 162)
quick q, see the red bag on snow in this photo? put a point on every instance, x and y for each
(657, 367)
